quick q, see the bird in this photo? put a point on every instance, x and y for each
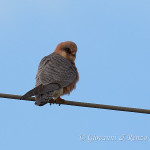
(57, 75)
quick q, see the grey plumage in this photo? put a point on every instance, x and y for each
(54, 73)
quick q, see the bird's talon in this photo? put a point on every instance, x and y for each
(59, 101)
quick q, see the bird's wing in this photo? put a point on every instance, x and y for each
(54, 72)
(55, 68)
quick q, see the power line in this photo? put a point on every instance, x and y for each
(82, 104)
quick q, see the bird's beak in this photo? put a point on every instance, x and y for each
(74, 54)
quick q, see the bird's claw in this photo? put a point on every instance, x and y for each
(59, 101)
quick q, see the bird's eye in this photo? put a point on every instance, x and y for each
(67, 50)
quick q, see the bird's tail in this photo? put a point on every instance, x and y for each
(43, 99)
(35, 91)
(42, 89)
(43, 93)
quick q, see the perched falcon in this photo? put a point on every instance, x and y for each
(57, 74)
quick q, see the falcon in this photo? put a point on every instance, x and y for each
(57, 75)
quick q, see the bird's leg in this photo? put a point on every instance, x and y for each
(59, 101)
(51, 101)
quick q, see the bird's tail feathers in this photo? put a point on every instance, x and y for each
(41, 89)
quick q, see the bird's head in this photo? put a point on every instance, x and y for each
(67, 49)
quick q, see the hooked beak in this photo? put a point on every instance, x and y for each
(74, 54)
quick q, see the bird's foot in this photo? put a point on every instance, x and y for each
(59, 101)
(51, 101)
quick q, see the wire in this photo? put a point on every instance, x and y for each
(82, 104)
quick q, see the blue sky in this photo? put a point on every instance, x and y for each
(113, 58)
